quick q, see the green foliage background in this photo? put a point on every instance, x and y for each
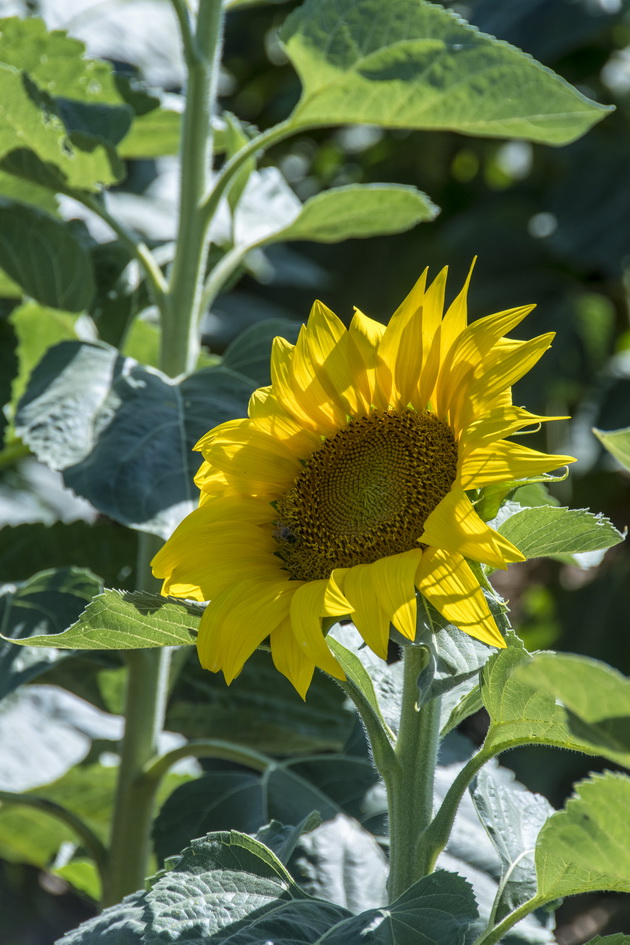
(549, 225)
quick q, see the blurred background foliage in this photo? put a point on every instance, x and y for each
(549, 225)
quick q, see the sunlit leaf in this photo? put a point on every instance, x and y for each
(616, 442)
(550, 531)
(586, 846)
(596, 697)
(412, 64)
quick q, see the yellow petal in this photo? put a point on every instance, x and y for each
(455, 527)
(268, 416)
(470, 351)
(252, 460)
(312, 601)
(238, 620)
(327, 409)
(400, 352)
(289, 659)
(474, 399)
(456, 318)
(383, 593)
(448, 583)
(504, 461)
(499, 423)
(366, 335)
(338, 362)
(433, 307)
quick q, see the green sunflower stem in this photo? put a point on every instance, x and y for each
(145, 704)
(410, 785)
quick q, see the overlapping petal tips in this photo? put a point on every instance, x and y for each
(239, 619)
(455, 527)
(289, 659)
(382, 593)
(448, 583)
(504, 462)
(311, 602)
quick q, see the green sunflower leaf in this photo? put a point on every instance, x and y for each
(127, 620)
(617, 442)
(123, 434)
(188, 901)
(355, 211)
(442, 905)
(249, 353)
(618, 939)
(596, 697)
(586, 846)
(47, 602)
(42, 255)
(412, 64)
(550, 531)
(522, 713)
(513, 818)
(153, 134)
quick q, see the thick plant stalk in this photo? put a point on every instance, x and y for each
(410, 785)
(147, 683)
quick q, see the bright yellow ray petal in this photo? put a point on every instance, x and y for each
(366, 335)
(434, 306)
(289, 395)
(252, 460)
(475, 399)
(338, 362)
(447, 582)
(326, 408)
(267, 415)
(238, 620)
(499, 423)
(455, 527)
(504, 461)
(456, 318)
(470, 353)
(312, 601)
(289, 659)
(400, 352)
(382, 593)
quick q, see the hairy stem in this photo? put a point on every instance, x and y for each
(493, 936)
(180, 323)
(410, 789)
(145, 704)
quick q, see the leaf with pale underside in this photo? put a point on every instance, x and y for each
(412, 64)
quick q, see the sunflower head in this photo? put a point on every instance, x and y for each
(347, 490)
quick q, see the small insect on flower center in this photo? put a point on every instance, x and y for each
(365, 493)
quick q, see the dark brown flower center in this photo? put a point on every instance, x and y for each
(365, 493)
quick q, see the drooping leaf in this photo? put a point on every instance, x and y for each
(551, 531)
(282, 839)
(412, 64)
(522, 713)
(513, 818)
(128, 620)
(45, 603)
(44, 258)
(617, 442)
(355, 211)
(123, 434)
(586, 846)
(441, 905)
(596, 697)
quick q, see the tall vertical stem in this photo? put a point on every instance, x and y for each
(410, 786)
(180, 311)
(180, 322)
(145, 701)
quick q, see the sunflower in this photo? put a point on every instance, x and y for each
(351, 485)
